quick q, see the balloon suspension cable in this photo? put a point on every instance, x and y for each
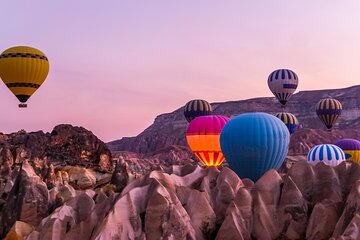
(22, 105)
(282, 107)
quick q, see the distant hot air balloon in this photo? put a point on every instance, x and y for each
(328, 110)
(290, 121)
(351, 148)
(283, 83)
(253, 143)
(329, 154)
(196, 108)
(203, 137)
(23, 70)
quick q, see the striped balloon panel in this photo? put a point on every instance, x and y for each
(254, 143)
(282, 74)
(328, 111)
(283, 83)
(351, 148)
(210, 158)
(329, 154)
(196, 108)
(289, 120)
(203, 138)
(23, 70)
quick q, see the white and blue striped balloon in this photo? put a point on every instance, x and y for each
(329, 154)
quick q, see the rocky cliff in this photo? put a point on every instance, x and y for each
(169, 129)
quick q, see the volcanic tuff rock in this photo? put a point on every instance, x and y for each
(169, 129)
(189, 202)
(27, 201)
(32, 163)
(65, 145)
(159, 160)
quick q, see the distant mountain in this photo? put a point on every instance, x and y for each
(169, 129)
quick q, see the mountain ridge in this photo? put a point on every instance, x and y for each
(169, 128)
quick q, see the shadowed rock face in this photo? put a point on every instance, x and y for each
(65, 145)
(189, 202)
(67, 155)
(27, 201)
(170, 128)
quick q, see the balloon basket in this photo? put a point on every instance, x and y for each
(22, 105)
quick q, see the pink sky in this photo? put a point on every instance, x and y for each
(116, 65)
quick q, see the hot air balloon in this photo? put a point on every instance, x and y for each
(290, 121)
(203, 135)
(328, 110)
(253, 143)
(23, 70)
(351, 148)
(196, 108)
(329, 154)
(283, 83)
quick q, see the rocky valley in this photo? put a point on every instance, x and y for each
(68, 184)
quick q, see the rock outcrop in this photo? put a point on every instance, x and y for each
(66, 159)
(65, 145)
(27, 201)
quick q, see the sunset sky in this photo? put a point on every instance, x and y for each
(116, 65)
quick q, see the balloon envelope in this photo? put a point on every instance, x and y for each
(23, 70)
(329, 154)
(196, 108)
(351, 148)
(328, 110)
(289, 120)
(203, 137)
(283, 83)
(253, 143)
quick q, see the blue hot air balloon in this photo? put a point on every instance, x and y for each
(289, 120)
(329, 154)
(253, 143)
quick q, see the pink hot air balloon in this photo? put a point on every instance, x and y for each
(203, 137)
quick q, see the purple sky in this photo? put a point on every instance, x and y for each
(115, 65)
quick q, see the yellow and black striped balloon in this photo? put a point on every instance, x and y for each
(328, 110)
(196, 108)
(289, 120)
(23, 70)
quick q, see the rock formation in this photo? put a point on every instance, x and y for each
(31, 163)
(190, 202)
